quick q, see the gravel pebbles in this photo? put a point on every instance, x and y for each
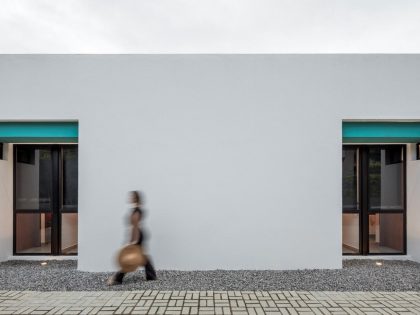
(356, 275)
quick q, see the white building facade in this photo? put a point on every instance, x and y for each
(245, 161)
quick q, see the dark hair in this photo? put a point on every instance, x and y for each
(136, 195)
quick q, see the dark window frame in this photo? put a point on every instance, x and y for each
(364, 211)
(1, 151)
(418, 151)
(57, 208)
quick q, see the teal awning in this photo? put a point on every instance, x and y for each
(39, 132)
(381, 132)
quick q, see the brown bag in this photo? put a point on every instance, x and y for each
(131, 257)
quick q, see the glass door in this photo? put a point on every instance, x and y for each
(34, 200)
(351, 219)
(374, 206)
(386, 199)
(69, 199)
(45, 199)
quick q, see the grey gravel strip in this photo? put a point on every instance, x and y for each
(356, 275)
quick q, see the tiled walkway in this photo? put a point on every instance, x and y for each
(208, 302)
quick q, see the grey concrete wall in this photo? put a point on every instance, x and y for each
(239, 156)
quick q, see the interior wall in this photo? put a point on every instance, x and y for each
(28, 231)
(68, 230)
(391, 228)
(239, 156)
(413, 203)
(6, 203)
(351, 230)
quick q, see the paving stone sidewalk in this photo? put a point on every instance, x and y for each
(208, 302)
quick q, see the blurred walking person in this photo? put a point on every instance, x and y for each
(137, 238)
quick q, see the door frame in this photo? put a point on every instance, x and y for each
(363, 190)
(57, 199)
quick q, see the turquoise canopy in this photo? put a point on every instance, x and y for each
(381, 132)
(39, 132)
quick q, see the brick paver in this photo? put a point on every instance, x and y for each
(209, 302)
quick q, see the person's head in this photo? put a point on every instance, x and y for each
(135, 197)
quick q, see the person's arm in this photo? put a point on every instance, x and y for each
(135, 234)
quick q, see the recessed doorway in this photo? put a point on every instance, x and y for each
(45, 199)
(374, 200)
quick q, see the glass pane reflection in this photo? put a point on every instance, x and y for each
(70, 176)
(350, 179)
(33, 178)
(386, 187)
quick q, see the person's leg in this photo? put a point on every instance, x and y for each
(150, 271)
(117, 278)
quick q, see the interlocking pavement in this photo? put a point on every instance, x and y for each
(208, 302)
